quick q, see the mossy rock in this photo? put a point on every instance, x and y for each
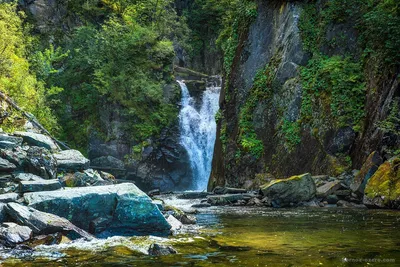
(383, 188)
(284, 192)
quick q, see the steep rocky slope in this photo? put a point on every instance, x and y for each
(301, 98)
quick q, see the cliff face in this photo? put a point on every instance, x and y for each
(284, 127)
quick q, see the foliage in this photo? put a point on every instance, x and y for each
(338, 80)
(392, 123)
(16, 79)
(289, 133)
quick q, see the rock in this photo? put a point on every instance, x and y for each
(19, 177)
(132, 210)
(17, 156)
(6, 166)
(320, 179)
(345, 204)
(343, 193)
(201, 205)
(154, 192)
(3, 212)
(311, 204)
(187, 219)
(9, 197)
(109, 162)
(14, 140)
(194, 195)
(12, 233)
(224, 199)
(99, 225)
(39, 140)
(227, 190)
(254, 202)
(328, 188)
(266, 201)
(5, 180)
(85, 178)
(332, 199)
(383, 188)
(160, 250)
(42, 222)
(292, 190)
(174, 222)
(41, 162)
(368, 169)
(71, 160)
(47, 240)
(7, 145)
(108, 177)
(41, 185)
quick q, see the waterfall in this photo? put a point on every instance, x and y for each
(198, 132)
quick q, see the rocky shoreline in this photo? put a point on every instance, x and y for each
(49, 196)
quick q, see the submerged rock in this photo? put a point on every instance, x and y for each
(13, 234)
(294, 190)
(383, 188)
(228, 190)
(161, 250)
(131, 209)
(42, 222)
(194, 195)
(71, 160)
(39, 140)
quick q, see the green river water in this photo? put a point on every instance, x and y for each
(233, 236)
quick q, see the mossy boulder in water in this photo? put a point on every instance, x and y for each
(383, 188)
(296, 189)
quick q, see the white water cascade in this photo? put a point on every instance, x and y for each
(198, 132)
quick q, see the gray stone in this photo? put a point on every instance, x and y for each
(201, 205)
(292, 190)
(19, 177)
(36, 186)
(228, 190)
(42, 222)
(3, 212)
(328, 188)
(225, 199)
(368, 169)
(5, 165)
(39, 140)
(71, 160)
(13, 233)
(346, 204)
(100, 224)
(174, 222)
(7, 145)
(332, 199)
(161, 250)
(17, 156)
(85, 178)
(41, 162)
(194, 195)
(109, 162)
(374, 203)
(17, 141)
(5, 180)
(9, 197)
(132, 210)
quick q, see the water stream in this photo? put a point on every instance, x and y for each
(198, 132)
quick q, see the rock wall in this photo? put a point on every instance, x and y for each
(274, 40)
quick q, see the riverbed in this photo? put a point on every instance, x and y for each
(244, 236)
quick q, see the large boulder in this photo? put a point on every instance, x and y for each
(41, 162)
(293, 190)
(71, 160)
(17, 156)
(9, 197)
(328, 188)
(130, 208)
(368, 169)
(8, 141)
(40, 140)
(13, 234)
(383, 188)
(42, 222)
(41, 185)
(23, 176)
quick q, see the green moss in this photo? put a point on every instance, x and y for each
(289, 133)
